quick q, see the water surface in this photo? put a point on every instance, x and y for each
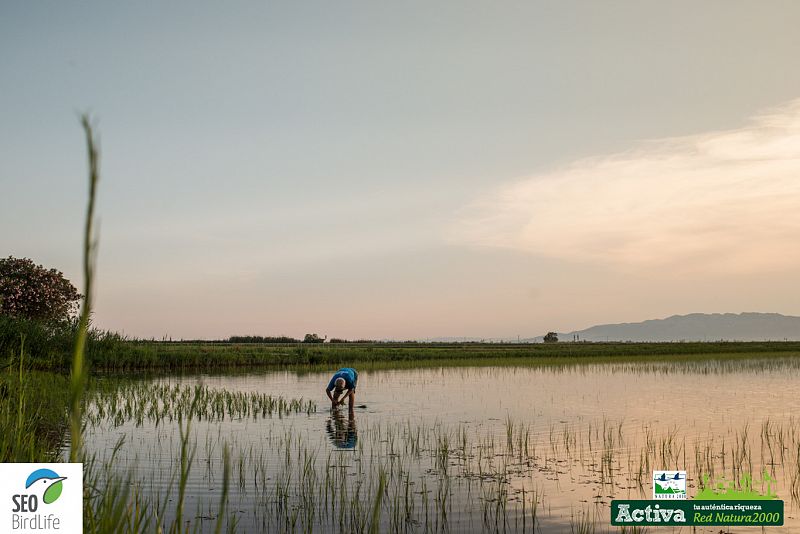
(474, 448)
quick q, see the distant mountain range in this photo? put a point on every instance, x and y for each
(695, 327)
(749, 326)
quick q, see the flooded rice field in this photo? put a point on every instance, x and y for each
(459, 449)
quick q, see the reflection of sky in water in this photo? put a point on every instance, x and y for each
(695, 400)
(695, 392)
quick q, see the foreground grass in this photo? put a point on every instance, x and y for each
(32, 415)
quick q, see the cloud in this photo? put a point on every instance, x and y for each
(725, 201)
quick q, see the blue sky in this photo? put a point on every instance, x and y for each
(408, 170)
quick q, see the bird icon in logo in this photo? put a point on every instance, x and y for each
(664, 478)
(45, 483)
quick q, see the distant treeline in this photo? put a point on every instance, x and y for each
(337, 340)
(261, 339)
(310, 338)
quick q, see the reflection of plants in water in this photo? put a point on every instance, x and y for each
(584, 523)
(411, 476)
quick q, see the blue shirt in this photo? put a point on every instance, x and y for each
(350, 378)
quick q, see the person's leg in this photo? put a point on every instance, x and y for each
(352, 401)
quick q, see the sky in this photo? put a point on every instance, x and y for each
(407, 170)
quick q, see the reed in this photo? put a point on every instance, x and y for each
(79, 371)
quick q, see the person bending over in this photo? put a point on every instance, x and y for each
(343, 379)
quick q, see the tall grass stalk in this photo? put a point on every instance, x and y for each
(375, 522)
(79, 371)
(226, 475)
(21, 405)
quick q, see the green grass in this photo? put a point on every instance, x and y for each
(50, 346)
(32, 414)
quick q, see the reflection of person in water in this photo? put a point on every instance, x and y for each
(341, 430)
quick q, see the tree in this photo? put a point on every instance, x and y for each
(551, 337)
(32, 291)
(313, 338)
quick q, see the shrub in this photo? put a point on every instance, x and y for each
(30, 291)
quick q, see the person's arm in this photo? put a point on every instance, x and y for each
(328, 391)
(350, 393)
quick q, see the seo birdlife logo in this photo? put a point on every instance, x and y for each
(42, 498)
(44, 485)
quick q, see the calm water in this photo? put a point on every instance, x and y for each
(473, 449)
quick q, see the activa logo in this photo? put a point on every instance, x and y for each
(43, 485)
(650, 514)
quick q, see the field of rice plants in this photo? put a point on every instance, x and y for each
(453, 458)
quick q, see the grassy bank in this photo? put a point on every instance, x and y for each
(194, 355)
(50, 348)
(32, 414)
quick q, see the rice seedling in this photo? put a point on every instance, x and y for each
(582, 523)
(163, 403)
